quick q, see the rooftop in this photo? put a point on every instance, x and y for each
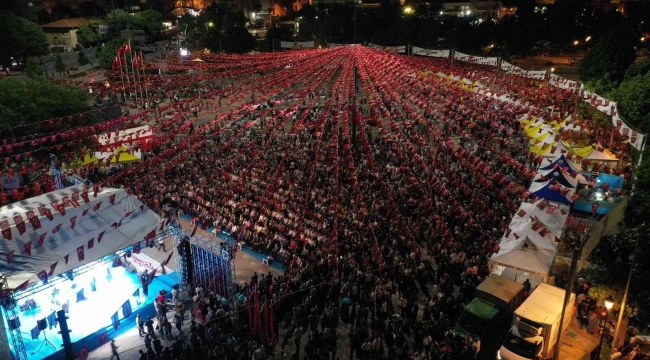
(69, 23)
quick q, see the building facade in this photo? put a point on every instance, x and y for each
(480, 9)
(61, 35)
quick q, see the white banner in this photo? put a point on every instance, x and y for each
(479, 60)
(393, 49)
(535, 74)
(563, 83)
(634, 137)
(512, 69)
(599, 102)
(332, 45)
(430, 53)
(296, 45)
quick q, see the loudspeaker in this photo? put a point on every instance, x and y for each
(14, 323)
(42, 324)
(187, 254)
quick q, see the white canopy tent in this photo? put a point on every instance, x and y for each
(554, 221)
(519, 259)
(83, 232)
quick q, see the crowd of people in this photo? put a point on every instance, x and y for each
(381, 192)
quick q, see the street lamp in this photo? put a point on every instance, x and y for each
(408, 10)
(576, 43)
(552, 69)
(609, 304)
(469, 12)
(588, 38)
(210, 24)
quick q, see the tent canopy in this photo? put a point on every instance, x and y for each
(543, 190)
(557, 175)
(554, 221)
(108, 222)
(521, 254)
(562, 162)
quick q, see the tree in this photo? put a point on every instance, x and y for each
(633, 98)
(638, 68)
(33, 69)
(118, 20)
(150, 21)
(59, 65)
(82, 58)
(612, 54)
(20, 39)
(106, 54)
(89, 35)
(37, 100)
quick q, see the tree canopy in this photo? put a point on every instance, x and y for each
(37, 100)
(89, 35)
(612, 54)
(20, 39)
(106, 54)
(148, 20)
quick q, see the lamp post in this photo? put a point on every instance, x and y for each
(609, 303)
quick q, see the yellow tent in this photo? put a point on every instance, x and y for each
(580, 151)
(122, 156)
(533, 130)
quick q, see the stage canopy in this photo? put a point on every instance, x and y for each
(112, 140)
(59, 231)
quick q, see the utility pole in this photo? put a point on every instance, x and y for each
(577, 249)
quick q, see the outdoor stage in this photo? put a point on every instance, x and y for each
(91, 314)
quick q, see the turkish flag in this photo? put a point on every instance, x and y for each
(41, 210)
(582, 227)
(75, 199)
(111, 199)
(56, 229)
(61, 209)
(10, 255)
(27, 248)
(73, 221)
(536, 226)
(49, 215)
(84, 195)
(521, 213)
(22, 286)
(594, 208)
(91, 243)
(99, 238)
(136, 248)
(96, 189)
(6, 230)
(80, 253)
(544, 231)
(20, 224)
(41, 239)
(52, 268)
(152, 234)
(42, 275)
(162, 225)
(551, 209)
(34, 220)
(97, 206)
(85, 213)
(65, 201)
(65, 258)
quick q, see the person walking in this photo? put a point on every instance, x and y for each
(114, 353)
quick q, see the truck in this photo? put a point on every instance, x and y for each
(535, 329)
(494, 301)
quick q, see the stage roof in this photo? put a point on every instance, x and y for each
(34, 246)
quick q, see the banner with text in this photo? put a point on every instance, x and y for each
(430, 53)
(296, 45)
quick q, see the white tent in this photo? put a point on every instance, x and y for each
(82, 233)
(554, 221)
(520, 259)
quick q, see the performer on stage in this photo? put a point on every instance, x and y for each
(145, 282)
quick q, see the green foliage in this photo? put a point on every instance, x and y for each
(89, 35)
(82, 58)
(36, 100)
(602, 85)
(59, 64)
(118, 20)
(633, 98)
(638, 68)
(148, 20)
(33, 69)
(20, 39)
(611, 262)
(106, 54)
(612, 54)
(218, 27)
